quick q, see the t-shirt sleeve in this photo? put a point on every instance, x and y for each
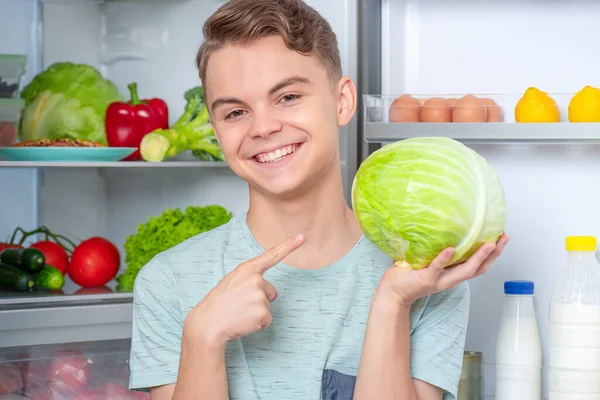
(157, 328)
(438, 340)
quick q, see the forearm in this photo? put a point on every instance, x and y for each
(384, 369)
(202, 372)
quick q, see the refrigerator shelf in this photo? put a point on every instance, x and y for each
(54, 319)
(542, 133)
(117, 164)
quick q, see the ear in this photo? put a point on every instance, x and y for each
(346, 92)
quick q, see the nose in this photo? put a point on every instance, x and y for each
(264, 122)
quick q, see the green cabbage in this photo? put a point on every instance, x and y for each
(415, 197)
(67, 101)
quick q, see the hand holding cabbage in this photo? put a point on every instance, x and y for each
(416, 197)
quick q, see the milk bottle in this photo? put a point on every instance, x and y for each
(574, 356)
(518, 346)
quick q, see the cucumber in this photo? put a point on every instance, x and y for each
(13, 278)
(49, 278)
(28, 259)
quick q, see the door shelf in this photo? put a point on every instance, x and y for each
(541, 133)
(382, 125)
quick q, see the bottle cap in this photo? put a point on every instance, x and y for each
(518, 287)
(581, 243)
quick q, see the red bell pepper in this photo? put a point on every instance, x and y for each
(127, 123)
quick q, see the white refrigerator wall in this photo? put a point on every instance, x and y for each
(154, 44)
(467, 46)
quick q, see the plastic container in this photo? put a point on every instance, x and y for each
(518, 346)
(10, 114)
(574, 356)
(12, 68)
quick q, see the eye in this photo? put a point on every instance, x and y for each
(288, 98)
(234, 114)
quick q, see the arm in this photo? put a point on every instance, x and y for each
(386, 354)
(425, 364)
(202, 373)
(385, 360)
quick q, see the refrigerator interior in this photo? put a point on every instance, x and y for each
(154, 44)
(498, 49)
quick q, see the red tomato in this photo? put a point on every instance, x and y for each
(94, 262)
(54, 253)
(69, 372)
(110, 245)
(10, 379)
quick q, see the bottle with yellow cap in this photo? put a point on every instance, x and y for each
(574, 357)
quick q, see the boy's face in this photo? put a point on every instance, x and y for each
(276, 114)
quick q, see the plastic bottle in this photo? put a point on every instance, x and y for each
(574, 356)
(518, 346)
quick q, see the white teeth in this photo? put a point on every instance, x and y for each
(276, 155)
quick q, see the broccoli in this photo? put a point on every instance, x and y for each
(192, 131)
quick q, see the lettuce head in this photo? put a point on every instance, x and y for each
(67, 101)
(415, 197)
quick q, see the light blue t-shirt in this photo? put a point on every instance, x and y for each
(312, 348)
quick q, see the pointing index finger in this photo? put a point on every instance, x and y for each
(274, 255)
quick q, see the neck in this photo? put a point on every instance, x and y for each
(320, 213)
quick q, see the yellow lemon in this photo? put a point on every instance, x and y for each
(536, 106)
(585, 105)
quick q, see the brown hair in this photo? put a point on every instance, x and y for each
(239, 22)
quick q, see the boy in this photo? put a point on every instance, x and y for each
(323, 313)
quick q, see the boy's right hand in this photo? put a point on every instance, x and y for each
(240, 303)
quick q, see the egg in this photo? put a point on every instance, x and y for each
(452, 101)
(405, 109)
(436, 109)
(494, 112)
(469, 109)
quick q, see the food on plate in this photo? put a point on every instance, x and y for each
(405, 109)
(536, 106)
(49, 278)
(11, 380)
(15, 279)
(54, 253)
(494, 112)
(469, 109)
(192, 131)
(58, 143)
(128, 122)
(585, 105)
(67, 101)
(436, 109)
(415, 197)
(27, 259)
(94, 262)
(161, 233)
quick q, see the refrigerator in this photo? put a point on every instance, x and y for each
(427, 48)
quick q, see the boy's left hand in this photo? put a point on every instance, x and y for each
(405, 286)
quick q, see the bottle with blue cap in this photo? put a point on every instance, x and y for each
(518, 369)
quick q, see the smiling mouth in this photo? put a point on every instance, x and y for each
(276, 155)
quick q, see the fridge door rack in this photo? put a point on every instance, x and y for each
(379, 129)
